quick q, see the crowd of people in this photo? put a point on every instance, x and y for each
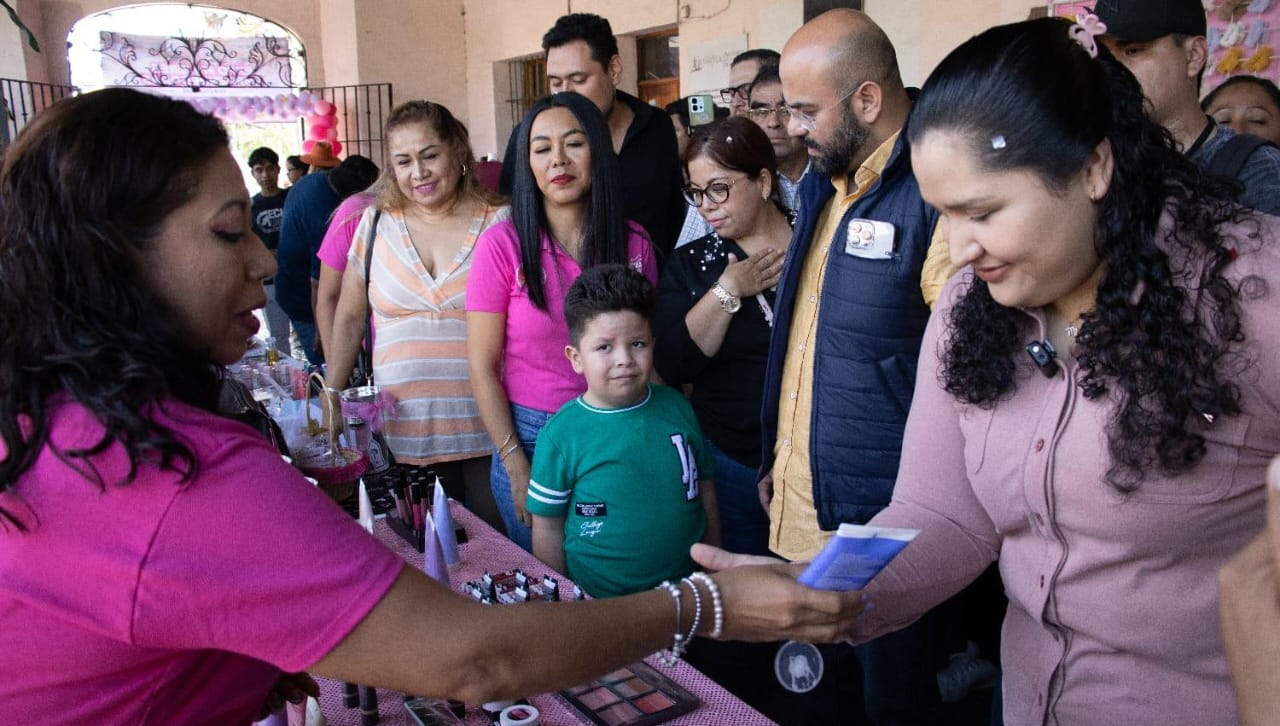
(1022, 310)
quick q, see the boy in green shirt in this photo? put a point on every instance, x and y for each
(621, 481)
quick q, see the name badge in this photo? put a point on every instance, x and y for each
(869, 238)
(591, 509)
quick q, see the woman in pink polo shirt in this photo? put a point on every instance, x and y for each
(566, 215)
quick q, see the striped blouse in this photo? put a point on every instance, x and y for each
(420, 353)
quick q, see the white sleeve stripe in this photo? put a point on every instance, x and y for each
(534, 495)
(560, 493)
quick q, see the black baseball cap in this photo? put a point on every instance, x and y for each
(1143, 20)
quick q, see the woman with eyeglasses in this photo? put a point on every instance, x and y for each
(566, 215)
(715, 308)
(711, 327)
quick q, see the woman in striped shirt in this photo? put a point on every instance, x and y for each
(429, 212)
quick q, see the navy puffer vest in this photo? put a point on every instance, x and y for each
(871, 319)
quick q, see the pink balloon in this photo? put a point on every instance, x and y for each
(324, 108)
(337, 147)
(331, 134)
(308, 146)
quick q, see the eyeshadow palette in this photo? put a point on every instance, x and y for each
(636, 695)
(513, 586)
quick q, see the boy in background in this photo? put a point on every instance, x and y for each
(267, 212)
(621, 481)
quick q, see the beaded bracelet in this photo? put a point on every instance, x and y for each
(697, 609)
(717, 605)
(669, 657)
(506, 441)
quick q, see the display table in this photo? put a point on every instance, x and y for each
(486, 549)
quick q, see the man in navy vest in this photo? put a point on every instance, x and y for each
(863, 269)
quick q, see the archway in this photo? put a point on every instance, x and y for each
(246, 69)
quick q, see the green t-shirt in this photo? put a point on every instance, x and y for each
(626, 482)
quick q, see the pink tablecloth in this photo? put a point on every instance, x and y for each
(488, 550)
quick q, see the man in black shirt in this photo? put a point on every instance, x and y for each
(267, 212)
(582, 56)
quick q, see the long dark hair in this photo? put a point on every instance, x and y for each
(604, 238)
(1160, 355)
(84, 190)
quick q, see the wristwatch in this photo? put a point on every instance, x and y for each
(728, 303)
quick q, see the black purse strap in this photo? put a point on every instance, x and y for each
(366, 345)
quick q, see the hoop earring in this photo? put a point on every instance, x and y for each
(464, 170)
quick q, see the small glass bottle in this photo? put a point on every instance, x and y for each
(359, 433)
(273, 353)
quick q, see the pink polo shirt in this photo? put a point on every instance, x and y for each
(159, 602)
(535, 371)
(340, 236)
(1113, 602)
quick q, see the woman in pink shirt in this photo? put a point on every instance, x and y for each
(566, 215)
(159, 562)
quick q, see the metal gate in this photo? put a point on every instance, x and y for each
(362, 112)
(22, 100)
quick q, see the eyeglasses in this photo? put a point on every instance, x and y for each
(717, 192)
(728, 94)
(761, 115)
(809, 121)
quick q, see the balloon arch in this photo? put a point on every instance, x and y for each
(321, 116)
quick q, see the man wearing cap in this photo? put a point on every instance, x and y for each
(1163, 43)
(306, 217)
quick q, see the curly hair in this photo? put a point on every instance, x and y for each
(1159, 339)
(604, 237)
(84, 190)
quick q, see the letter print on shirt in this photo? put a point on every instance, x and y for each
(688, 467)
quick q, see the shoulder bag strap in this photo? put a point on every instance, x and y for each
(366, 345)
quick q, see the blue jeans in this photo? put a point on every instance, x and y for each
(527, 422)
(744, 524)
